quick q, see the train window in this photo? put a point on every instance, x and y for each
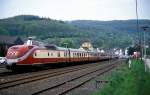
(35, 54)
(48, 53)
(58, 54)
(68, 54)
(51, 54)
(15, 48)
(64, 54)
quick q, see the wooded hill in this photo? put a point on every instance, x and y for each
(102, 34)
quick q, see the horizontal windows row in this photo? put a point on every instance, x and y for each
(68, 54)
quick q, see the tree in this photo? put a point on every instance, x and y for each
(68, 42)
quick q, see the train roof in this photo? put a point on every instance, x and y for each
(54, 47)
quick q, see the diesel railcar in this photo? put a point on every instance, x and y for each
(34, 53)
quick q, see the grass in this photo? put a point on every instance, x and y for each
(133, 81)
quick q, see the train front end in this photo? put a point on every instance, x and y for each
(17, 53)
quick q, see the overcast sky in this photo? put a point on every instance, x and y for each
(76, 9)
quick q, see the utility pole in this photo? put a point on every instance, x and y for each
(144, 44)
(109, 48)
(137, 28)
(144, 41)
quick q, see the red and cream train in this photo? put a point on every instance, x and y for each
(35, 53)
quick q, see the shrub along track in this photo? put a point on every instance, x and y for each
(56, 81)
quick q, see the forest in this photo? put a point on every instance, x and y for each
(102, 34)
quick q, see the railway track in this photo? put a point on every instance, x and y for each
(13, 80)
(75, 73)
(73, 83)
(8, 74)
(5, 72)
